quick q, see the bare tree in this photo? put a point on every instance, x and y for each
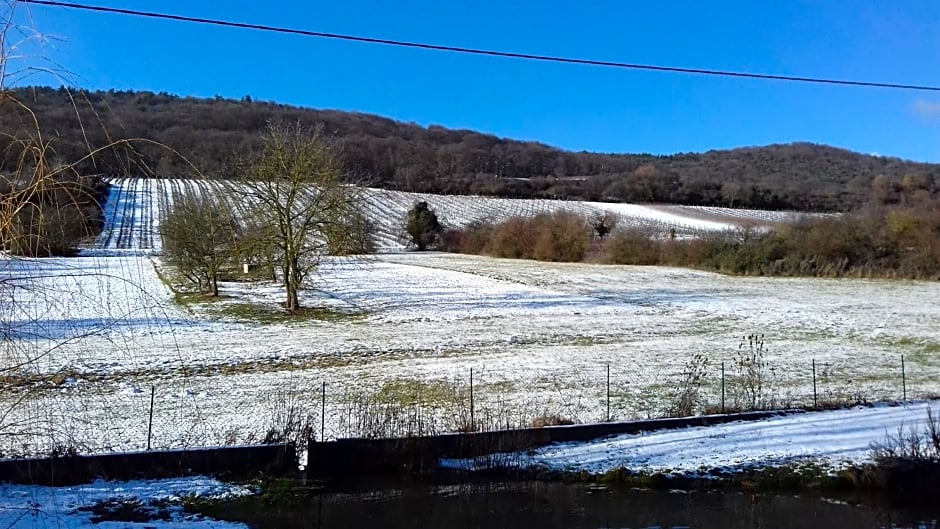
(199, 239)
(300, 202)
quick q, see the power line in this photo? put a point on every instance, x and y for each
(477, 51)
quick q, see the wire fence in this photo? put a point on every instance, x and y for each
(486, 398)
(201, 411)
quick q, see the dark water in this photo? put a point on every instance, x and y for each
(555, 505)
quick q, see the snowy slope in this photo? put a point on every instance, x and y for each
(136, 206)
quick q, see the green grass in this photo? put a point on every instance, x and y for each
(409, 392)
(266, 314)
(275, 498)
(793, 477)
(924, 352)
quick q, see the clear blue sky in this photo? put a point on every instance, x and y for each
(574, 107)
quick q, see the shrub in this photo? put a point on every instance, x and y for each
(550, 420)
(892, 243)
(512, 238)
(423, 227)
(910, 461)
(561, 236)
(633, 247)
(752, 383)
(687, 393)
(473, 239)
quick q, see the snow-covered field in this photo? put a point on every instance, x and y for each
(101, 331)
(136, 206)
(831, 438)
(80, 506)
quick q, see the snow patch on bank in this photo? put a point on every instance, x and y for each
(28, 506)
(834, 438)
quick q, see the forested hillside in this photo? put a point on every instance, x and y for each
(214, 134)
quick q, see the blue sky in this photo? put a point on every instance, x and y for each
(574, 107)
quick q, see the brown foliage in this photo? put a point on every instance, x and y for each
(633, 247)
(897, 242)
(560, 236)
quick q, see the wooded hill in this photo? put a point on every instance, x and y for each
(214, 134)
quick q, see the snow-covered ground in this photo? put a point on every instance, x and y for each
(104, 330)
(31, 506)
(832, 438)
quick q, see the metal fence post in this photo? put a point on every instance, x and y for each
(815, 398)
(153, 391)
(323, 412)
(903, 379)
(472, 429)
(608, 392)
(722, 387)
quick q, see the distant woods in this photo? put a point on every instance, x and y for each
(217, 135)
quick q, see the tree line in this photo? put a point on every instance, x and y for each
(194, 137)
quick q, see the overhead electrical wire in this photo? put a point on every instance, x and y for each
(478, 51)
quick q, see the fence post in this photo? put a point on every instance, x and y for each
(472, 428)
(903, 379)
(153, 391)
(608, 392)
(722, 387)
(815, 398)
(323, 412)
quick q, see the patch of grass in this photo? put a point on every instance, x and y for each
(924, 352)
(409, 392)
(254, 313)
(187, 299)
(632, 478)
(503, 386)
(276, 499)
(793, 477)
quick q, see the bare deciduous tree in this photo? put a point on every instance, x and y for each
(198, 239)
(300, 202)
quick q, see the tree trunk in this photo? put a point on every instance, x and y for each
(292, 282)
(215, 286)
(293, 303)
